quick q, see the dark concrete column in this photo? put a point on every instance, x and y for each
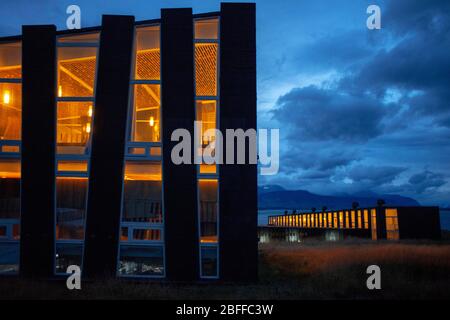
(38, 151)
(108, 147)
(178, 111)
(237, 183)
(381, 223)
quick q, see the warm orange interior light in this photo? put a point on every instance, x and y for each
(90, 111)
(60, 91)
(208, 239)
(206, 69)
(80, 166)
(151, 122)
(88, 127)
(6, 97)
(143, 171)
(9, 169)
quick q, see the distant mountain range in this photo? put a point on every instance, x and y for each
(276, 197)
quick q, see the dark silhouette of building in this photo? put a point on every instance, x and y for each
(86, 118)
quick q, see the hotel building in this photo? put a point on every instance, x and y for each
(86, 177)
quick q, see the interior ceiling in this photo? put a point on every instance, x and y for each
(81, 71)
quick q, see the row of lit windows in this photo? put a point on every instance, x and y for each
(352, 219)
(348, 219)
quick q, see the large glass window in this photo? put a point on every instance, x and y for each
(142, 192)
(9, 215)
(208, 210)
(366, 219)
(142, 212)
(206, 51)
(11, 60)
(141, 260)
(76, 67)
(10, 111)
(142, 238)
(209, 263)
(76, 71)
(207, 29)
(347, 221)
(352, 217)
(71, 195)
(146, 113)
(359, 220)
(392, 231)
(206, 69)
(147, 65)
(74, 126)
(10, 134)
(373, 215)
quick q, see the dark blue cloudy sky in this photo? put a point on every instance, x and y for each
(358, 110)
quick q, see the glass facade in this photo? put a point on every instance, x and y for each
(10, 136)
(206, 51)
(76, 70)
(141, 249)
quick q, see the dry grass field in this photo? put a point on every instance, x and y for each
(287, 271)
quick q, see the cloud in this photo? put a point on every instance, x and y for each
(315, 114)
(369, 176)
(425, 181)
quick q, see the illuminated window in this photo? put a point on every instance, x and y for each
(146, 125)
(347, 220)
(392, 231)
(308, 220)
(11, 60)
(206, 28)
(366, 219)
(10, 111)
(147, 65)
(208, 210)
(72, 166)
(353, 219)
(88, 38)
(206, 113)
(71, 194)
(9, 215)
(330, 220)
(206, 69)
(320, 220)
(297, 221)
(142, 192)
(341, 219)
(74, 126)
(359, 220)
(76, 71)
(10, 132)
(304, 221)
(373, 214)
